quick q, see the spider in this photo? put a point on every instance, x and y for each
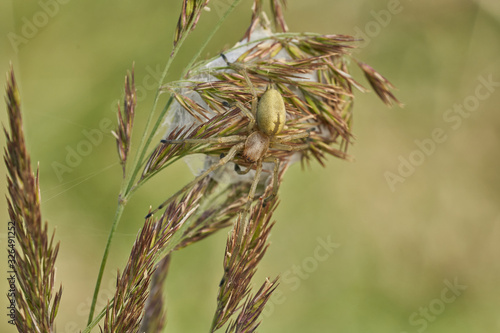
(267, 119)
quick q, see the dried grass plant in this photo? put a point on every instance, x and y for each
(310, 71)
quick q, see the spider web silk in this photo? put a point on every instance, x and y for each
(177, 116)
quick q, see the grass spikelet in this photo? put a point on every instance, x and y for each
(155, 315)
(248, 318)
(259, 18)
(245, 247)
(123, 134)
(125, 311)
(35, 252)
(380, 84)
(190, 14)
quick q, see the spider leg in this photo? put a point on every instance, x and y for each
(230, 155)
(251, 195)
(255, 99)
(240, 172)
(226, 139)
(289, 137)
(276, 171)
(241, 69)
(282, 146)
(249, 114)
(245, 111)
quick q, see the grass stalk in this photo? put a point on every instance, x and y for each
(114, 225)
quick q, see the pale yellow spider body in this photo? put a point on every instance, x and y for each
(271, 113)
(269, 119)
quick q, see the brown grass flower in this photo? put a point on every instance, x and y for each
(244, 250)
(190, 14)
(35, 251)
(126, 310)
(123, 133)
(155, 316)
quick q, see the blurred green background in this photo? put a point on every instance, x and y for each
(415, 219)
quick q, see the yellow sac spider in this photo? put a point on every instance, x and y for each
(267, 119)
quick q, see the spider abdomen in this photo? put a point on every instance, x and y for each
(271, 112)
(256, 146)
